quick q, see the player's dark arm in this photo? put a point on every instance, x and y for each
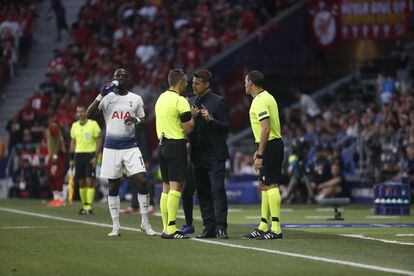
(141, 137)
(221, 118)
(143, 121)
(93, 109)
(187, 122)
(133, 120)
(98, 146)
(264, 136)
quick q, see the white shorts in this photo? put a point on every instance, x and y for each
(116, 163)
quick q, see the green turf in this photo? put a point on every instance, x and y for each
(51, 247)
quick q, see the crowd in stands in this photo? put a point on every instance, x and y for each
(354, 131)
(326, 140)
(145, 37)
(16, 22)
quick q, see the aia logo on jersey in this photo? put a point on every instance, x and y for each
(120, 115)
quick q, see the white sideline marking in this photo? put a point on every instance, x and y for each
(33, 227)
(374, 239)
(404, 235)
(234, 210)
(328, 209)
(252, 217)
(158, 214)
(382, 217)
(278, 252)
(318, 217)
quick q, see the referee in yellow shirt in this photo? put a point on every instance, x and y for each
(173, 123)
(85, 145)
(265, 123)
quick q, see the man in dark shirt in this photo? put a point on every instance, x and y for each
(209, 153)
(410, 165)
(49, 87)
(24, 179)
(15, 130)
(28, 115)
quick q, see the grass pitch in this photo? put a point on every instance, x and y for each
(37, 240)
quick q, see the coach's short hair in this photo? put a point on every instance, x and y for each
(174, 76)
(204, 75)
(256, 77)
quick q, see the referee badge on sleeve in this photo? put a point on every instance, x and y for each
(262, 113)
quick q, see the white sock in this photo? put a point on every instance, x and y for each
(143, 200)
(65, 192)
(55, 195)
(114, 202)
(60, 196)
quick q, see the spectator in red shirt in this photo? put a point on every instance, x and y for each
(192, 55)
(82, 33)
(40, 103)
(27, 115)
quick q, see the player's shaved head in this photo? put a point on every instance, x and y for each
(120, 72)
(122, 76)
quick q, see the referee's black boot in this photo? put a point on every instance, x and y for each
(222, 234)
(270, 235)
(207, 233)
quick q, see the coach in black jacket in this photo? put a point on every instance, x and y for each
(209, 153)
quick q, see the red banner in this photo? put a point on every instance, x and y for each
(323, 22)
(374, 19)
(358, 19)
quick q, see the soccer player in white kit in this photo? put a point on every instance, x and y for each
(122, 110)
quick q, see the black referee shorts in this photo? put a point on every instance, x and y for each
(271, 172)
(172, 157)
(83, 165)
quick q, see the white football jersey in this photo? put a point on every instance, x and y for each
(116, 108)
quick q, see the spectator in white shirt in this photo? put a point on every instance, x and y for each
(145, 52)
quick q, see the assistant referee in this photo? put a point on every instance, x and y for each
(265, 123)
(85, 146)
(173, 123)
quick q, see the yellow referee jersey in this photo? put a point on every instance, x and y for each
(85, 135)
(170, 105)
(264, 106)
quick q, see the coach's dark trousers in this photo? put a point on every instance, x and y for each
(209, 173)
(187, 195)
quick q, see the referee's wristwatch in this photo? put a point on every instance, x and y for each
(259, 156)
